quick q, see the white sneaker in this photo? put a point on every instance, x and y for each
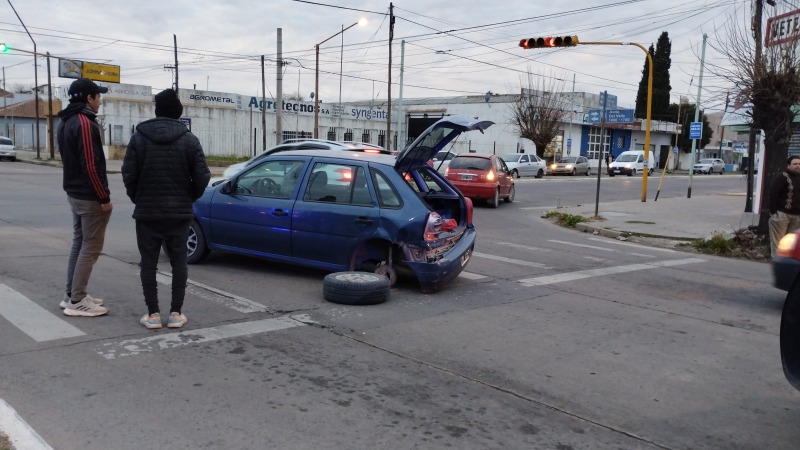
(86, 308)
(66, 300)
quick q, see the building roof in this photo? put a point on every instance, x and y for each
(27, 109)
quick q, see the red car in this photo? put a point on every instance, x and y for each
(481, 176)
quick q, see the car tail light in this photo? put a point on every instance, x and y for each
(433, 227)
(447, 171)
(468, 203)
(787, 247)
(345, 175)
(490, 176)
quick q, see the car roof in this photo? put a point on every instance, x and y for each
(345, 155)
(474, 155)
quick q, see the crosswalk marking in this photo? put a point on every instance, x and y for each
(232, 301)
(21, 434)
(163, 341)
(594, 247)
(581, 274)
(630, 244)
(471, 276)
(38, 323)
(509, 260)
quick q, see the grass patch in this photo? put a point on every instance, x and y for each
(640, 221)
(5, 442)
(223, 161)
(745, 243)
(717, 244)
(564, 219)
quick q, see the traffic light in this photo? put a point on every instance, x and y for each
(4, 47)
(549, 42)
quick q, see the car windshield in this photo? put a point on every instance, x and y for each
(626, 158)
(706, 161)
(470, 163)
(568, 160)
(513, 157)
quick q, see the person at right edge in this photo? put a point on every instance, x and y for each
(784, 203)
(164, 172)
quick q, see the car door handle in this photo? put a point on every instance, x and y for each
(363, 221)
(279, 213)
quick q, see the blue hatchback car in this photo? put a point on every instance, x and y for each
(345, 211)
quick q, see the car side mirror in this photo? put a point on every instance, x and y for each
(227, 187)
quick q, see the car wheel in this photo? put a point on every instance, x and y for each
(495, 201)
(511, 194)
(632, 173)
(515, 173)
(540, 173)
(649, 171)
(196, 246)
(588, 169)
(574, 172)
(790, 336)
(611, 174)
(721, 171)
(355, 288)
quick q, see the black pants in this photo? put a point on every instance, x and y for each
(150, 236)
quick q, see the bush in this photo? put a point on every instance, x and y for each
(564, 219)
(717, 244)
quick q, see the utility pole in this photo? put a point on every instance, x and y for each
(600, 154)
(389, 89)
(697, 114)
(175, 47)
(751, 145)
(50, 111)
(279, 92)
(401, 143)
(263, 106)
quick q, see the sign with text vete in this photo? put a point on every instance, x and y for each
(612, 116)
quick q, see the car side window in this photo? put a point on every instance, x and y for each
(338, 183)
(275, 179)
(387, 196)
(523, 159)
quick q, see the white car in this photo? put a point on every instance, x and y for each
(441, 161)
(7, 149)
(525, 164)
(709, 166)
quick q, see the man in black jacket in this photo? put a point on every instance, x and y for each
(86, 185)
(164, 172)
(784, 203)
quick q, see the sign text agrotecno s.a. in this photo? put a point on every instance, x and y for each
(549, 42)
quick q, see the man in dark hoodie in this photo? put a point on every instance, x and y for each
(86, 185)
(164, 172)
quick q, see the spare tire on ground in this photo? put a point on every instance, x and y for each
(356, 288)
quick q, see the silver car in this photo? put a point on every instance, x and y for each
(571, 165)
(525, 165)
(709, 166)
(7, 149)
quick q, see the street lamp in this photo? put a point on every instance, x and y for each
(361, 22)
(35, 79)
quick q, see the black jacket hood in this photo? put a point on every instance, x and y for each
(74, 108)
(162, 130)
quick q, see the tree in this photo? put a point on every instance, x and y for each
(771, 84)
(661, 88)
(685, 119)
(538, 112)
(296, 97)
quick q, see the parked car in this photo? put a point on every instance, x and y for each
(482, 176)
(441, 160)
(709, 166)
(304, 144)
(571, 165)
(630, 163)
(790, 335)
(525, 165)
(345, 210)
(7, 149)
(786, 263)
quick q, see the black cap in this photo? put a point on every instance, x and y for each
(168, 104)
(84, 87)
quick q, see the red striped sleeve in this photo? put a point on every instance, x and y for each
(88, 154)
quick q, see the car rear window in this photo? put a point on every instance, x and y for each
(470, 163)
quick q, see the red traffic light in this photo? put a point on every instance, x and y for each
(549, 42)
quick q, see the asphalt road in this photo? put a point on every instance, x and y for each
(551, 339)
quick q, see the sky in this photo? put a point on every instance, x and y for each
(452, 48)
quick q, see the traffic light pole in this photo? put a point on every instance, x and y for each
(649, 107)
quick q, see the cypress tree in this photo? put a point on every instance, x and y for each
(661, 87)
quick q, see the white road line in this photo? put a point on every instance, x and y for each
(509, 260)
(526, 247)
(471, 276)
(594, 247)
(132, 347)
(571, 276)
(234, 301)
(21, 434)
(35, 321)
(630, 244)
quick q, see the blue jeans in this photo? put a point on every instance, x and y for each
(88, 235)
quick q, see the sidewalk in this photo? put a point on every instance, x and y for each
(675, 218)
(678, 218)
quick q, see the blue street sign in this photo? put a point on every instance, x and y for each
(696, 130)
(612, 116)
(569, 142)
